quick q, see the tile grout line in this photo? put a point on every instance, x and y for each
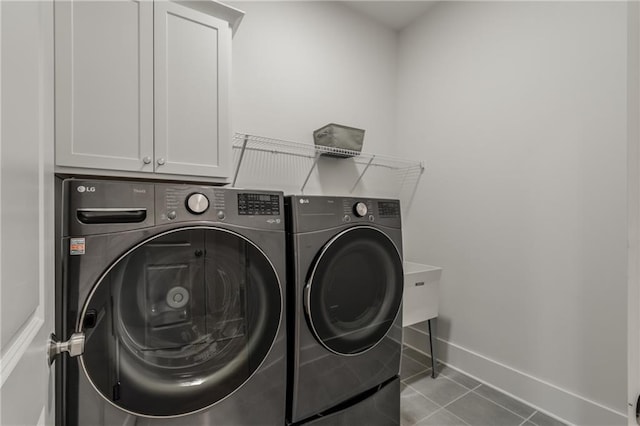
(454, 400)
(528, 419)
(427, 416)
(473, 390)
(460, 383)
(439, 410)
(502, 406)
(456, 416)
(467, 393)
(410, 377)
(418, 361)
(439, 405)
(425, 397)
(427, 364)
(461, 396)
(441, 364)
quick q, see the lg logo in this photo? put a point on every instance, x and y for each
(86, 188)
(304, 201)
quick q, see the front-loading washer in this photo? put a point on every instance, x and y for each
(345, 296)
(173, 296)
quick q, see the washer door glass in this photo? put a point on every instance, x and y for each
(354, 291)
(180, 322)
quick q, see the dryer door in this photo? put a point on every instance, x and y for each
(354, 291)
(180, 322)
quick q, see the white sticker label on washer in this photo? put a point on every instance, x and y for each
(76, 246)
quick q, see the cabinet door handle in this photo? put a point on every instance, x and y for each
(161, 161)
(146, 160)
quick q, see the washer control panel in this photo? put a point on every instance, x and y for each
(251, 204)
(178, 203)
(99, 206)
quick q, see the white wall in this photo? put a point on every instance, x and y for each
(300, 65)
(519, 109)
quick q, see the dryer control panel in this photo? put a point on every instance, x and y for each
(312, 213)
(389, 208)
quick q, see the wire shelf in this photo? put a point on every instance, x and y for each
(275, 159)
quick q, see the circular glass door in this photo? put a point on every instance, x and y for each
(180, 322)
(354, 291)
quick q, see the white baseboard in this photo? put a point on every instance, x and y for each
(546, 397)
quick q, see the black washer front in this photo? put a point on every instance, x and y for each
(180, 321)
(355, 290)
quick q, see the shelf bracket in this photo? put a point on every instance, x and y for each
(244, 147)
(362, 174)
(313, 166)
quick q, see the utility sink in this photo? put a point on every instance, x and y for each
(421, 292)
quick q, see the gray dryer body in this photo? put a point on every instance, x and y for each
(345, 301)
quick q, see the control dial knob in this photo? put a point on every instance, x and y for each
(360, 209)
(197, 203)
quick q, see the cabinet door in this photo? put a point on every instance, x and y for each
(192, 60)
(104, 84)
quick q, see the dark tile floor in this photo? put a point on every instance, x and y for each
(453, 398)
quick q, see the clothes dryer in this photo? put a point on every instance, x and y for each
(173, 295)
(345, 296)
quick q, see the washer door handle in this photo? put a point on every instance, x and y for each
(74, 346)
(307, 299)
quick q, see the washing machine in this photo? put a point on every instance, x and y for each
(170, 302)
(345, 321)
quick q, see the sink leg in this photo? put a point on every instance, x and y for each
(432, 342)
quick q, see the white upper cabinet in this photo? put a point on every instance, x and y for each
(191, 91)
(104, 84)
(143, 87)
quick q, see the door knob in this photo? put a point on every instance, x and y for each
(75, 346)
(161, 161)
(146, 160)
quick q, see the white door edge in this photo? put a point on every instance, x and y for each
(633, 206)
